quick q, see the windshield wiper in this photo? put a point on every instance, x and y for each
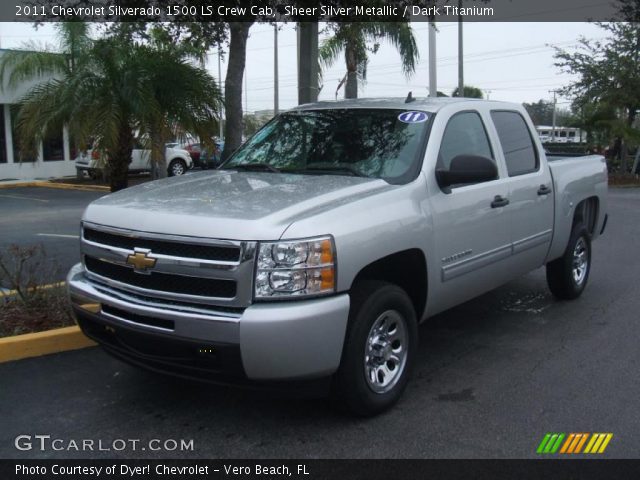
(254, 167)
(331, 168)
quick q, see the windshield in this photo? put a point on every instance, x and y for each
(376, 143)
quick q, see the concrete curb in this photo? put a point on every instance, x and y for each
(42, 343)
(11, 293)
(61, 186)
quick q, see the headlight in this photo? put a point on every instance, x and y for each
(296, 268)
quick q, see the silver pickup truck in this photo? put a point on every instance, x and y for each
(317, 249)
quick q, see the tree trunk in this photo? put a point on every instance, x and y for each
(351, 87)
(120, 159)
(158, 158)
(233, 86)
(631, 117)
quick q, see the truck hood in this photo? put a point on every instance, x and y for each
(228, 204)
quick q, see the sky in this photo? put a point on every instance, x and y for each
(509, 61)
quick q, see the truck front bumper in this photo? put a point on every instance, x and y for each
(279, 341)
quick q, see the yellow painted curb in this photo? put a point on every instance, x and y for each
(16, 185)
(73, 186)
(42, 343)
(61, 186)
(48, 286)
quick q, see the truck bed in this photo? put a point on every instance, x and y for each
(577, 177)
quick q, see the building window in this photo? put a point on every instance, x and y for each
(3, 137)
(19, 156)
(53, 147)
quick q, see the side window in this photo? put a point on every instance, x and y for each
(464, 135)
(519, 151)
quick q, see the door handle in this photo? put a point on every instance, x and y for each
(499, 201)
(544, 190)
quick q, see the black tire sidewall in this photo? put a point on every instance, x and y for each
(369, 300)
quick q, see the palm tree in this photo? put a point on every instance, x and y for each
(112, 91)
(358, 40)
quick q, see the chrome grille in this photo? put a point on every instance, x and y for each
(176, 249)
(205, 287)
(186, 270)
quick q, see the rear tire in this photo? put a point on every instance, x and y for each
(177, 167)
(567, 276)
(379, 349)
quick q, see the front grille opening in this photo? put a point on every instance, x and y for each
(176, 249)
(141, 319)
(155, 301)
(162, 282)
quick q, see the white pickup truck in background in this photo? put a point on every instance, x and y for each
(178, 161)
(315, 251)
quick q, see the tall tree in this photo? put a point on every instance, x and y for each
(608, 73)
(357, 40)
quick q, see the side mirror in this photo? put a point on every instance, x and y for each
(467, 169)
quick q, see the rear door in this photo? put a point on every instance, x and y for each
(530, 191)
(471, 230)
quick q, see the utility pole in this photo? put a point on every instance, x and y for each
(275, 71)
(488, 93)
(460, 53)
(221, 131)
(553, 116)
(433, 80)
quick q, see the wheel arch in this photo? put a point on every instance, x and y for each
(406, 269)
(587, 212)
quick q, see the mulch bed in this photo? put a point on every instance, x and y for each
(41, 312)
(617, 180)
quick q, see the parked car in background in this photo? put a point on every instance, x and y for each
(204, 157)
(194, 151)
(178, 161)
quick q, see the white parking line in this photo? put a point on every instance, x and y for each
(24, 197)
(57, 235)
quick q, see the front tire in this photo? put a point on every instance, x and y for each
(177, 167)
(379, 349)
(567, 276)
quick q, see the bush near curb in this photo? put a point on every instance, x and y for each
(29, 306)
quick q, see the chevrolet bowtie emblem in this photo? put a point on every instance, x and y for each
(141, 261)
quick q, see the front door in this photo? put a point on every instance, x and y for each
(471, 227)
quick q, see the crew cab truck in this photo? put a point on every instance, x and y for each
(316, 250)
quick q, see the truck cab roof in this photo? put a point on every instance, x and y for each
(429, 104)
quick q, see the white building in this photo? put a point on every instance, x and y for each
(55, 157)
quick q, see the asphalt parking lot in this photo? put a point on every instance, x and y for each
(48, 217)
(493, 376)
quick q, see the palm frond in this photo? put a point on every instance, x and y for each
(25, 65)
(330, 50)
